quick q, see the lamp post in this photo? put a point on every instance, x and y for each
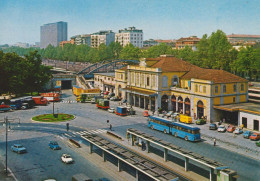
(52, 86)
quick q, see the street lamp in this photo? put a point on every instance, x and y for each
(52, 86)
(7, 125)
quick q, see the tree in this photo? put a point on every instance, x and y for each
(157, 50)
(247, 63)
(129, 52)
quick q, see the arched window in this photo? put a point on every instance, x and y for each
(196, 88)
(148, 80)
(234, 88)
(204, 89)
(224, 88)
(165, 81)
(174, 80)
(242, 87)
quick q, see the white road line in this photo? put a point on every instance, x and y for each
(67, 134)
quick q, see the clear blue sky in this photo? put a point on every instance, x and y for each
(20, 20)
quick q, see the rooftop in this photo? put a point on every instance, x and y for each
(243, 36)
(168, 63)
(243, 107)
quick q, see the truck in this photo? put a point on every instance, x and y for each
(121, 111)
(102, 104)
(86, 97)
(185, 119)
(40, 100)
(51, 96)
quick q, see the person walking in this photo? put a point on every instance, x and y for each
(68, 126)
(215, 142)
(242, 126)
(110, 127)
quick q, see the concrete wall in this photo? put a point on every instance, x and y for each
(250, 119)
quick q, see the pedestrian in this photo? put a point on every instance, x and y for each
(153, 112)
(110, 127)
(242, 126)
(68, 126)
(215, 142)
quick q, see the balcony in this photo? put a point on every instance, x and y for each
(178, 89)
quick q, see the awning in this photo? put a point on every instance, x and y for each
(227, 108)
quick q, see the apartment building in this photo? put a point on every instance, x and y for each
(191, 41)
(100, 37)
(130, 35)
(84, 39)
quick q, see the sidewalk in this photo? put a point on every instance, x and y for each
(235, 143)
(3, 175)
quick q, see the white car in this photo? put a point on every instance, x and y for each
(222, 128)
(175, 115)
(238, 131)
(169, 114)
(65, 158)
(111, 110)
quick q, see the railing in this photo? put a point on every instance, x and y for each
(180, 89)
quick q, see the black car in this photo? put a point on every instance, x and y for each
(213, 126)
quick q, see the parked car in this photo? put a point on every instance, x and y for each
(255, 136)
(222, 128)
(169, 114)
(247, 134)
(65, 158)
(18, 148)
(231, 128)
(213, 126)
(54, 145)
(175, 115)
(145, 113)
(115, 99)
(111, 110)
(238, 131)
(201, 121)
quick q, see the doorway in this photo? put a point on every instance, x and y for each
(256, 125)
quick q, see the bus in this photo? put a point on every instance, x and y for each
(86, 97)
(177, 129)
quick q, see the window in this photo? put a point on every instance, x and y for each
(204, 89)
(234, 88)
(216, 89)
(224, 88)
(165, 81)
(148, 81)
(174, 80)
(234, 99)
(242, 87)
(137, 78)
(153, 80)
(200, 87)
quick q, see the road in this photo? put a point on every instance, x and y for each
(91, 118)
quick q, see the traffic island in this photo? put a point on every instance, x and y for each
(53, 117)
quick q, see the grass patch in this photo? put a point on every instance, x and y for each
(50, 118)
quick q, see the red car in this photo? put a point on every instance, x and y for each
(231, 128)
(145, 113)
(106, 93)
(255, 136)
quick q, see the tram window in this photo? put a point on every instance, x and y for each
(195, 131)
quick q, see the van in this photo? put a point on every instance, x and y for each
(185, 119)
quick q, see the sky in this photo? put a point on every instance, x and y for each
(20, 20)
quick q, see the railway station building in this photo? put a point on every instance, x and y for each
(174, 84)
